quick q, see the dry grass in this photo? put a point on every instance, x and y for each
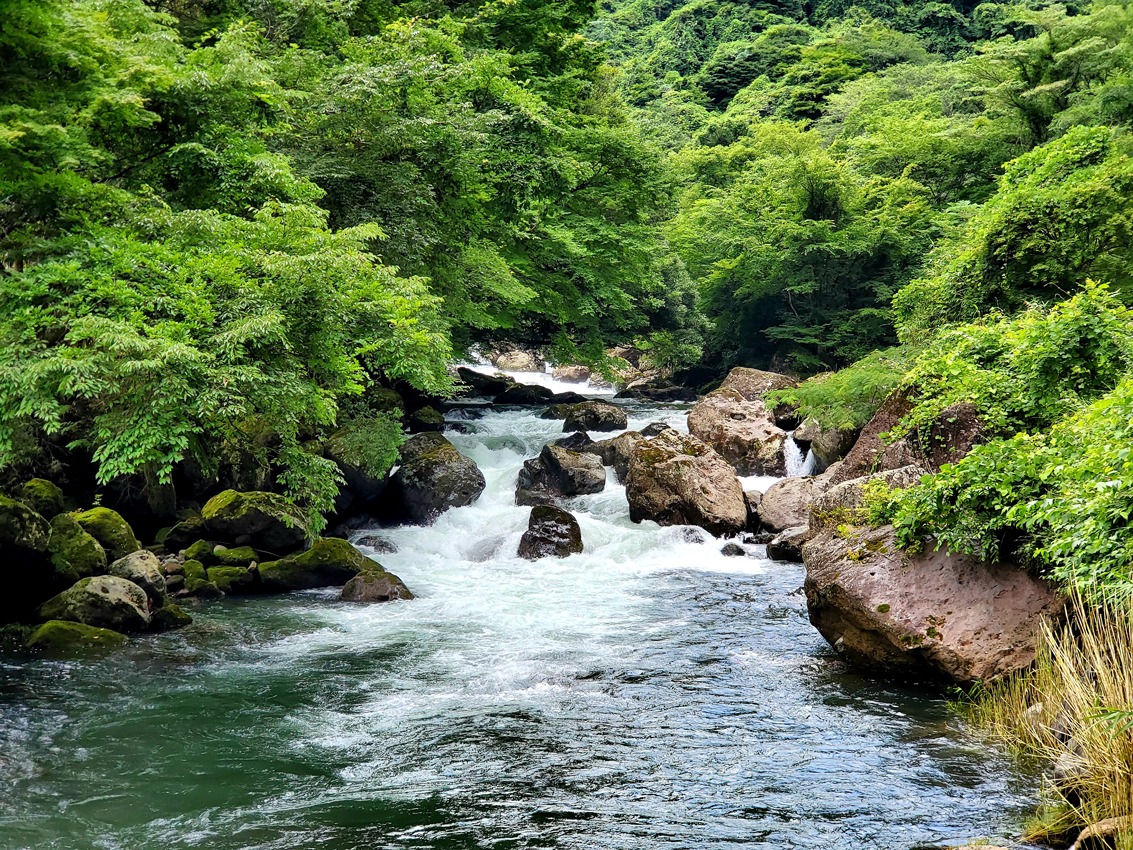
(1073, 711)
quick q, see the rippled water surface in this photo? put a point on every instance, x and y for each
(649, 693)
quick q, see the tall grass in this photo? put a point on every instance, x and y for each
(1074, 711)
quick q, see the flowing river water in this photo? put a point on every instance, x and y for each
(648, 693)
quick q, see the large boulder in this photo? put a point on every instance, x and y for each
(75, 554)
(659, 391)
(675, 479)
(871, 453)
(481, 384)
(788, 544)
(110, 530)
(62, 638)
(425, 419)
(346, 447)
(741, 430)
(786, 503)
(43, 497)
(524, 394)
(616, 452)
(266, 521)
(551, 532)
(955, 432)
(25, 561)
(329, 562)
(143, 569)
(753, 384)
(571, 374)
(558, 473)
(595, 416)
(519, 361)
(375, 584)
(937, 615)
(107, 602)
(432, 478)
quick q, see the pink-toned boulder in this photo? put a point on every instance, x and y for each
(743, 431)
(936, 615)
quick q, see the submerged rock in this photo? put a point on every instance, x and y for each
(558, 473)
(741, 430)
(108, 602)
(675, 479)
(110, 530)
(936, 615)
(551, 532)
(62, 638)
(266, 521)
(375, 584)
(733, 550)
(329, 562)
(595, 416)
(432, 478)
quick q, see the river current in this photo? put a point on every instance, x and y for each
(648, 693)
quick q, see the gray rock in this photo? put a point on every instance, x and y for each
(558, 473)
(595, 416)
(432, 478)
(551, 532)
(143, 569)
(106, 602)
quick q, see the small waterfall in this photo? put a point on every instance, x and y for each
(798, 466)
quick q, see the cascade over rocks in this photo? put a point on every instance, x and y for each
(107, 602)
(432, 478)
(265, 521)
(828, 444)
(595, 416)
(675, 479)
(551, 532)
(741, 430)
(558, 473)
(935, 615)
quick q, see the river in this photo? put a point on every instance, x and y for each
(648, 693)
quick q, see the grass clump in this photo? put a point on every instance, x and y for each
(1073, 710)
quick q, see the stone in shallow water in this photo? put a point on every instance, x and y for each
(551, 532)
(375, 584)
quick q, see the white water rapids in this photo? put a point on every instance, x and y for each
(648, 693)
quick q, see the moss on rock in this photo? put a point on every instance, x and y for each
(62, 637)
(241, 556)
(109, 529)
(329, 562)
(169, 617)
(75, 554)
(201, 551)
(266, 521)
(232, 579)
(108, 602)
(43, 497)
(194, 569)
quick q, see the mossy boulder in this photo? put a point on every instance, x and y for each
(75, 554)
(200, 588)
(233, 579)
(193, 568)
(425, 419)
(143, 569)
(184, 534)
(432, 478)
(201, 551)
(109, 602)
(169, 617)
(110, 530)
(266, 521)
(25, 561)
(43, 497)
(240, 556)
(66, 638)
(375, 584)
(329, 562)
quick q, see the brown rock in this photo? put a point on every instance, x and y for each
(742, 431)
(675, 479)
(956, 431)
(787, 503)
(558, 473)
(753, 383)
(595, 416)
(519, 361)
(844, 503)
(787, 545)
(937, 615)
(374, 584)
(870, 454)
(616, 452)
(571, 374)
(828, 444)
